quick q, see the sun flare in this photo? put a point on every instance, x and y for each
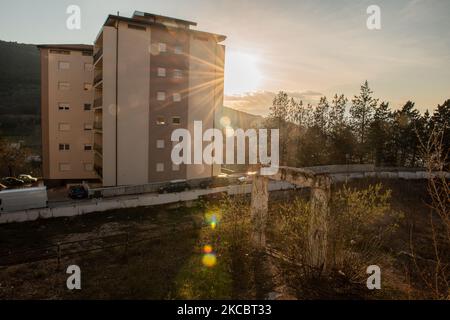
(242, 72)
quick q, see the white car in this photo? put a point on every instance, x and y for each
(27, 178)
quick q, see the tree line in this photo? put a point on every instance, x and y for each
(363, 130)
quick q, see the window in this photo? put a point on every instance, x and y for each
(160, 144)
(63, 86)
(64, 126)
(176, 120)
(160, 120)
(176, 97)
(177, 74)
(160, 167)
(62, 65)
(136, 27)
(64, 147)
(162, 47)
(87, 86)
(65, 52)
(87, 107)
(175, 167)
(88, 67)
(88, 147)
(88, 126)
(63, 106)
(178, 50)
(64, 167)
(88, 166)
(201, 38)
(160, 96)
(161, 72)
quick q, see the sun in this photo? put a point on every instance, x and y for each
(242, 72)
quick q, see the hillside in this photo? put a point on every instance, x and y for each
(20, 92)
(240, 119)
(19, 79)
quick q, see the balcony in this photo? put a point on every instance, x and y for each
(98, 125)
(98, 103)
(99, 171)
(98, 148)
(98, 77)
(98, 54)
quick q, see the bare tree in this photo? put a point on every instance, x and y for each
(435, 272)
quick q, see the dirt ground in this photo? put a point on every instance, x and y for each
(165, 267)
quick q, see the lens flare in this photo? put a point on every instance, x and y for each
(225, 121)
(207, 249)
(209, 260)
(212, 219)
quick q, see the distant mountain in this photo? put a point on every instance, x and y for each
(19, 79)
(20, 92)
(240, 119)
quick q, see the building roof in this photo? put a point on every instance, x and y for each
(159, 17)
(73, 47)
(158, 21)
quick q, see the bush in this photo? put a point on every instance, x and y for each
(360, 221)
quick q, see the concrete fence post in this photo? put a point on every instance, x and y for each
(259, 209)
(318, 223)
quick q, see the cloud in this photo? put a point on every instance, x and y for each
(259, 102)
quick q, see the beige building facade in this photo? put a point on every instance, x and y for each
(67, 113)
(152, 75)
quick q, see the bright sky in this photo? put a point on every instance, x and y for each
(298, 46)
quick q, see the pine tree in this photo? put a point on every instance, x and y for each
(380, 135)
(320, 115)
(361, 112)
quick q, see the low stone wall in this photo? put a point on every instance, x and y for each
(407, 175)
(150, 199)
(141, 200)
(339, 168)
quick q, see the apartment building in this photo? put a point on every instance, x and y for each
(152, 75)
(67, 113)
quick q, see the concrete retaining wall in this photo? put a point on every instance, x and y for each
(150, 199)
(142, 200)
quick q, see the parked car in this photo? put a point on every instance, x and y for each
(78, 192)
(12, 182)
(215, 182)
(27, 178)
(174, 186)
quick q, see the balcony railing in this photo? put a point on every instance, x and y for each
(98, 54)
(98, 125)
(98, 148)
(98, 78)
(98, 102)
(99, 171)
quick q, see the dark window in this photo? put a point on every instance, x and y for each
(133, 26)
(87, 147)
(63, 146)
(87, 106)
(176, 120)
(201, 38)
(60, 52)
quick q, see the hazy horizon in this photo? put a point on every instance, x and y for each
(308, 48)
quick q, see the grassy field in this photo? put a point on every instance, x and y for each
(164, 258)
